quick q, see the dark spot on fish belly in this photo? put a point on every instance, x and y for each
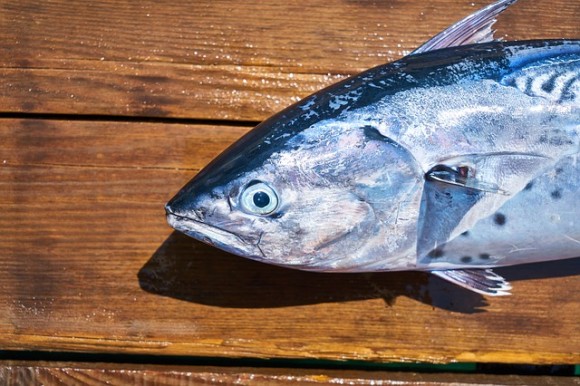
(529, 185)
(466, 259)
(436, 253)
(556, 194)
(465, 234)
(499, 219)
(484, 256)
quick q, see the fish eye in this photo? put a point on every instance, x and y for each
(259, 198)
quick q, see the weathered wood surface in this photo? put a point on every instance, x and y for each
(16, 374)
(87, 262)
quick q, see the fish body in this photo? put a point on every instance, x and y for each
(453, 160)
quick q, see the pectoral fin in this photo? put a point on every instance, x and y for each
(462, 190)
(443, 206)
(475, 28)
(482, 281)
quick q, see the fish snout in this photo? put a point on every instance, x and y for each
(168, 209)
(171, 211)
(186, 204)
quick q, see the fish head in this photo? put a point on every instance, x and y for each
(326, 195)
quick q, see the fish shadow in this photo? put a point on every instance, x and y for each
(188, 270)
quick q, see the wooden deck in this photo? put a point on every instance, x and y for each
(107, 108)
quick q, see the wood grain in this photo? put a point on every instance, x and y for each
(87, 263)
(220, 59)
(107, 374)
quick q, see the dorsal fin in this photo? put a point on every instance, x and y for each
(475, 28)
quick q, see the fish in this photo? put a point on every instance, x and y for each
(455, 159)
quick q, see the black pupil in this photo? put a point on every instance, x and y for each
(261, 199)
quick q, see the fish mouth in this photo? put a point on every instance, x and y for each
(214, 236)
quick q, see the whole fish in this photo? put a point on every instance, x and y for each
(460, 157)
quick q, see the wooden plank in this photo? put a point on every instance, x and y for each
(22, 373)
(87, 263)
(220, 59)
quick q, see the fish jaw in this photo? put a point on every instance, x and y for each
(211, 235)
